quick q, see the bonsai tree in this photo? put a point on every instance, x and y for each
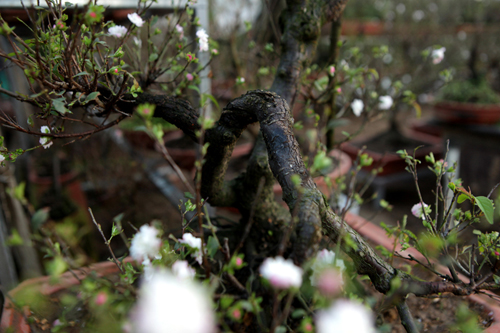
(84, 69)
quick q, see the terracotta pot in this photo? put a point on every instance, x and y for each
(378, 235)
(467, 113)
(186, 157)
(343, 167)
(16, 321)
(392, 162)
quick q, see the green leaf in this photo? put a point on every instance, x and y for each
(91, 97)
(14, 239)
(462, 198)
(60, 106)
(39, 218)
(153, 57)
(212, 246)
(496, 278)
(188, 195)
(486, 206)
(80, 74)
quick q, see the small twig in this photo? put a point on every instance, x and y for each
(106, 241)
(406, 317)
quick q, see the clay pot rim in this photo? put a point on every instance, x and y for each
(378, 235)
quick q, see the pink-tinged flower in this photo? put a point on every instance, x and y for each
(497, 253)
(339, 90)
(45, 141)
(437, 55)
(169, 304)
(190, 57)
(236, 314)
(92, 14)
(357, 107)
(281, 273)
(145, 244)
(239, 261)
(181, 269)
(194, 244)
(308, 327)
(345, 317)
(203, 39)
(179, 46)
(180, 31)
(117, 31)
(419, 211)
(189, 76)
(385, 102)
(56, 322)
(136, 19)
(331, 70)
(116, 70)
(325, 260)
(101, 298)
(330, 282)
(215, 51)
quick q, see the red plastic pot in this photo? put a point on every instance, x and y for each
(467, 113)
(344, 164)
(16, 322)
(378, 235)
(392, 162)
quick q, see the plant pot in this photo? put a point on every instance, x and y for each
(183, 150)
(356, 28)
(467, 113)
(343, 165)
(378, 236)
(387, 158)
(16, 322)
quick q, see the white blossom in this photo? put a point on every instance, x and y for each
(45, 141)
(2, 158)
(202, 35)
(385, 102)
(181, 269)
(117, 31)
(169, 304)
(437, 55)
(180, 30)
(324, 259)
(240, 80)
(145, 244)
(357, 107)
(195, 244)
(417, 210)
(345, 317)
(281, 273)
(137, 42)
(136, 19)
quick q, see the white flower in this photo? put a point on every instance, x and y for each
(45, 141)
(385, 102)
(202, 35)
(181, 269)
(417, 210)
(136, 19)
(2, 158)
(145, 243)
(281, 273)
(195, 244)
(137, 42)
(240, 80)
(117, 31)
(437, 55)
(357, 107)
(345, 317)
(324, 259)
(169, 304)
(180, 30)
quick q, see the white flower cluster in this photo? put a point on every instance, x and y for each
(437, 55)
(345, 317)
(145, 244)
(357, 107)
(203, 39)
(281, 273)
(136, 19)
(170, 304)
(418, 210)
(195, 244)
(385, 102)
(117, 31)
(324, 259)
(45, 141)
